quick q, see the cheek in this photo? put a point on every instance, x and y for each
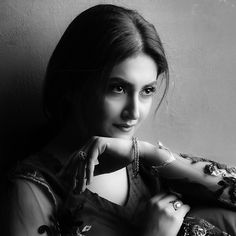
(111, 108)
(146, 108)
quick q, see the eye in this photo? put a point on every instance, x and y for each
(116, 88)
(149, 91)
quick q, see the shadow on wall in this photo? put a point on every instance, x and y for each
(27, 37)
(21, 122)
(22, 127)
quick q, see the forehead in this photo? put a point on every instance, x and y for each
(140, 69)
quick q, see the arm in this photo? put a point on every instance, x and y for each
(200, 180)
(197, 177)
(110, 154)
(30, 210)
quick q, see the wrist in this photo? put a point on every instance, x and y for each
(147, 152)
(152, 155)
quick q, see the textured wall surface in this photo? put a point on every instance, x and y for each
(199, 36)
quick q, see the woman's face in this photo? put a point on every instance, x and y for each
(128, 97)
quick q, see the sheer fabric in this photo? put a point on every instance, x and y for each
(41, 204)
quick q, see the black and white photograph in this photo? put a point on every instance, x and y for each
(118, 118)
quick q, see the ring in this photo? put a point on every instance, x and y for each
(82, 155)
(176, 204)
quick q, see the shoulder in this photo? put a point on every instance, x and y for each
(30, 209)
(36, 175)
(34, 196)
(26, 196)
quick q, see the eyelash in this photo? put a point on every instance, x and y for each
(114, 88)
(119, 89)
(151, 90)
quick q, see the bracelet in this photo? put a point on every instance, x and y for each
(168, 161)
(135, 154)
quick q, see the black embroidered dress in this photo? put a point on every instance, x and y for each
(89, 214)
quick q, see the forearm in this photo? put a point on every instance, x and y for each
(207, 176)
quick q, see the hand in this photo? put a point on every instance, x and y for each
(162, 218)
(107, 154)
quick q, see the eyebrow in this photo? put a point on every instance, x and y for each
(125, 82)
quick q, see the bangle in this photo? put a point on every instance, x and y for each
(166, 162)
(135, 154)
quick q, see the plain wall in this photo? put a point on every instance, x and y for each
(199, 36)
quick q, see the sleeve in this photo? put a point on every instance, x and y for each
(200, 180)
(31, 212)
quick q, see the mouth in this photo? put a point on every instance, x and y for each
(124, 127)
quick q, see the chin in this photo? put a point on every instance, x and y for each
(114, 133)
(122, 135)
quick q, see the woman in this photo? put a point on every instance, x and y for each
(94, 177)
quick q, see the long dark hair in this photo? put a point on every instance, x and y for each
(95, 41)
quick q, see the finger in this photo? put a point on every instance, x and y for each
(79, 178)
(176, 204)
(157, 198)
(183, 210)
(96, 150)
(79, 184)
(92, 155)
(167, 199)
(89, 147)
(88, 167)
(89, 172)
(178, 213)
(74, 169)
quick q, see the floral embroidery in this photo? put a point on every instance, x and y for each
(228, 182)
(228, 175)
(199, 227)
(214, 168)
(76, 231)
(67, 222)
(52, 230)
(71, 224)
(198, 230)
(217, 169)
(69, 216)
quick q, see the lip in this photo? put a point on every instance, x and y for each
(124, 127)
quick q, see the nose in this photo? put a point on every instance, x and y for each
(132, 108)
